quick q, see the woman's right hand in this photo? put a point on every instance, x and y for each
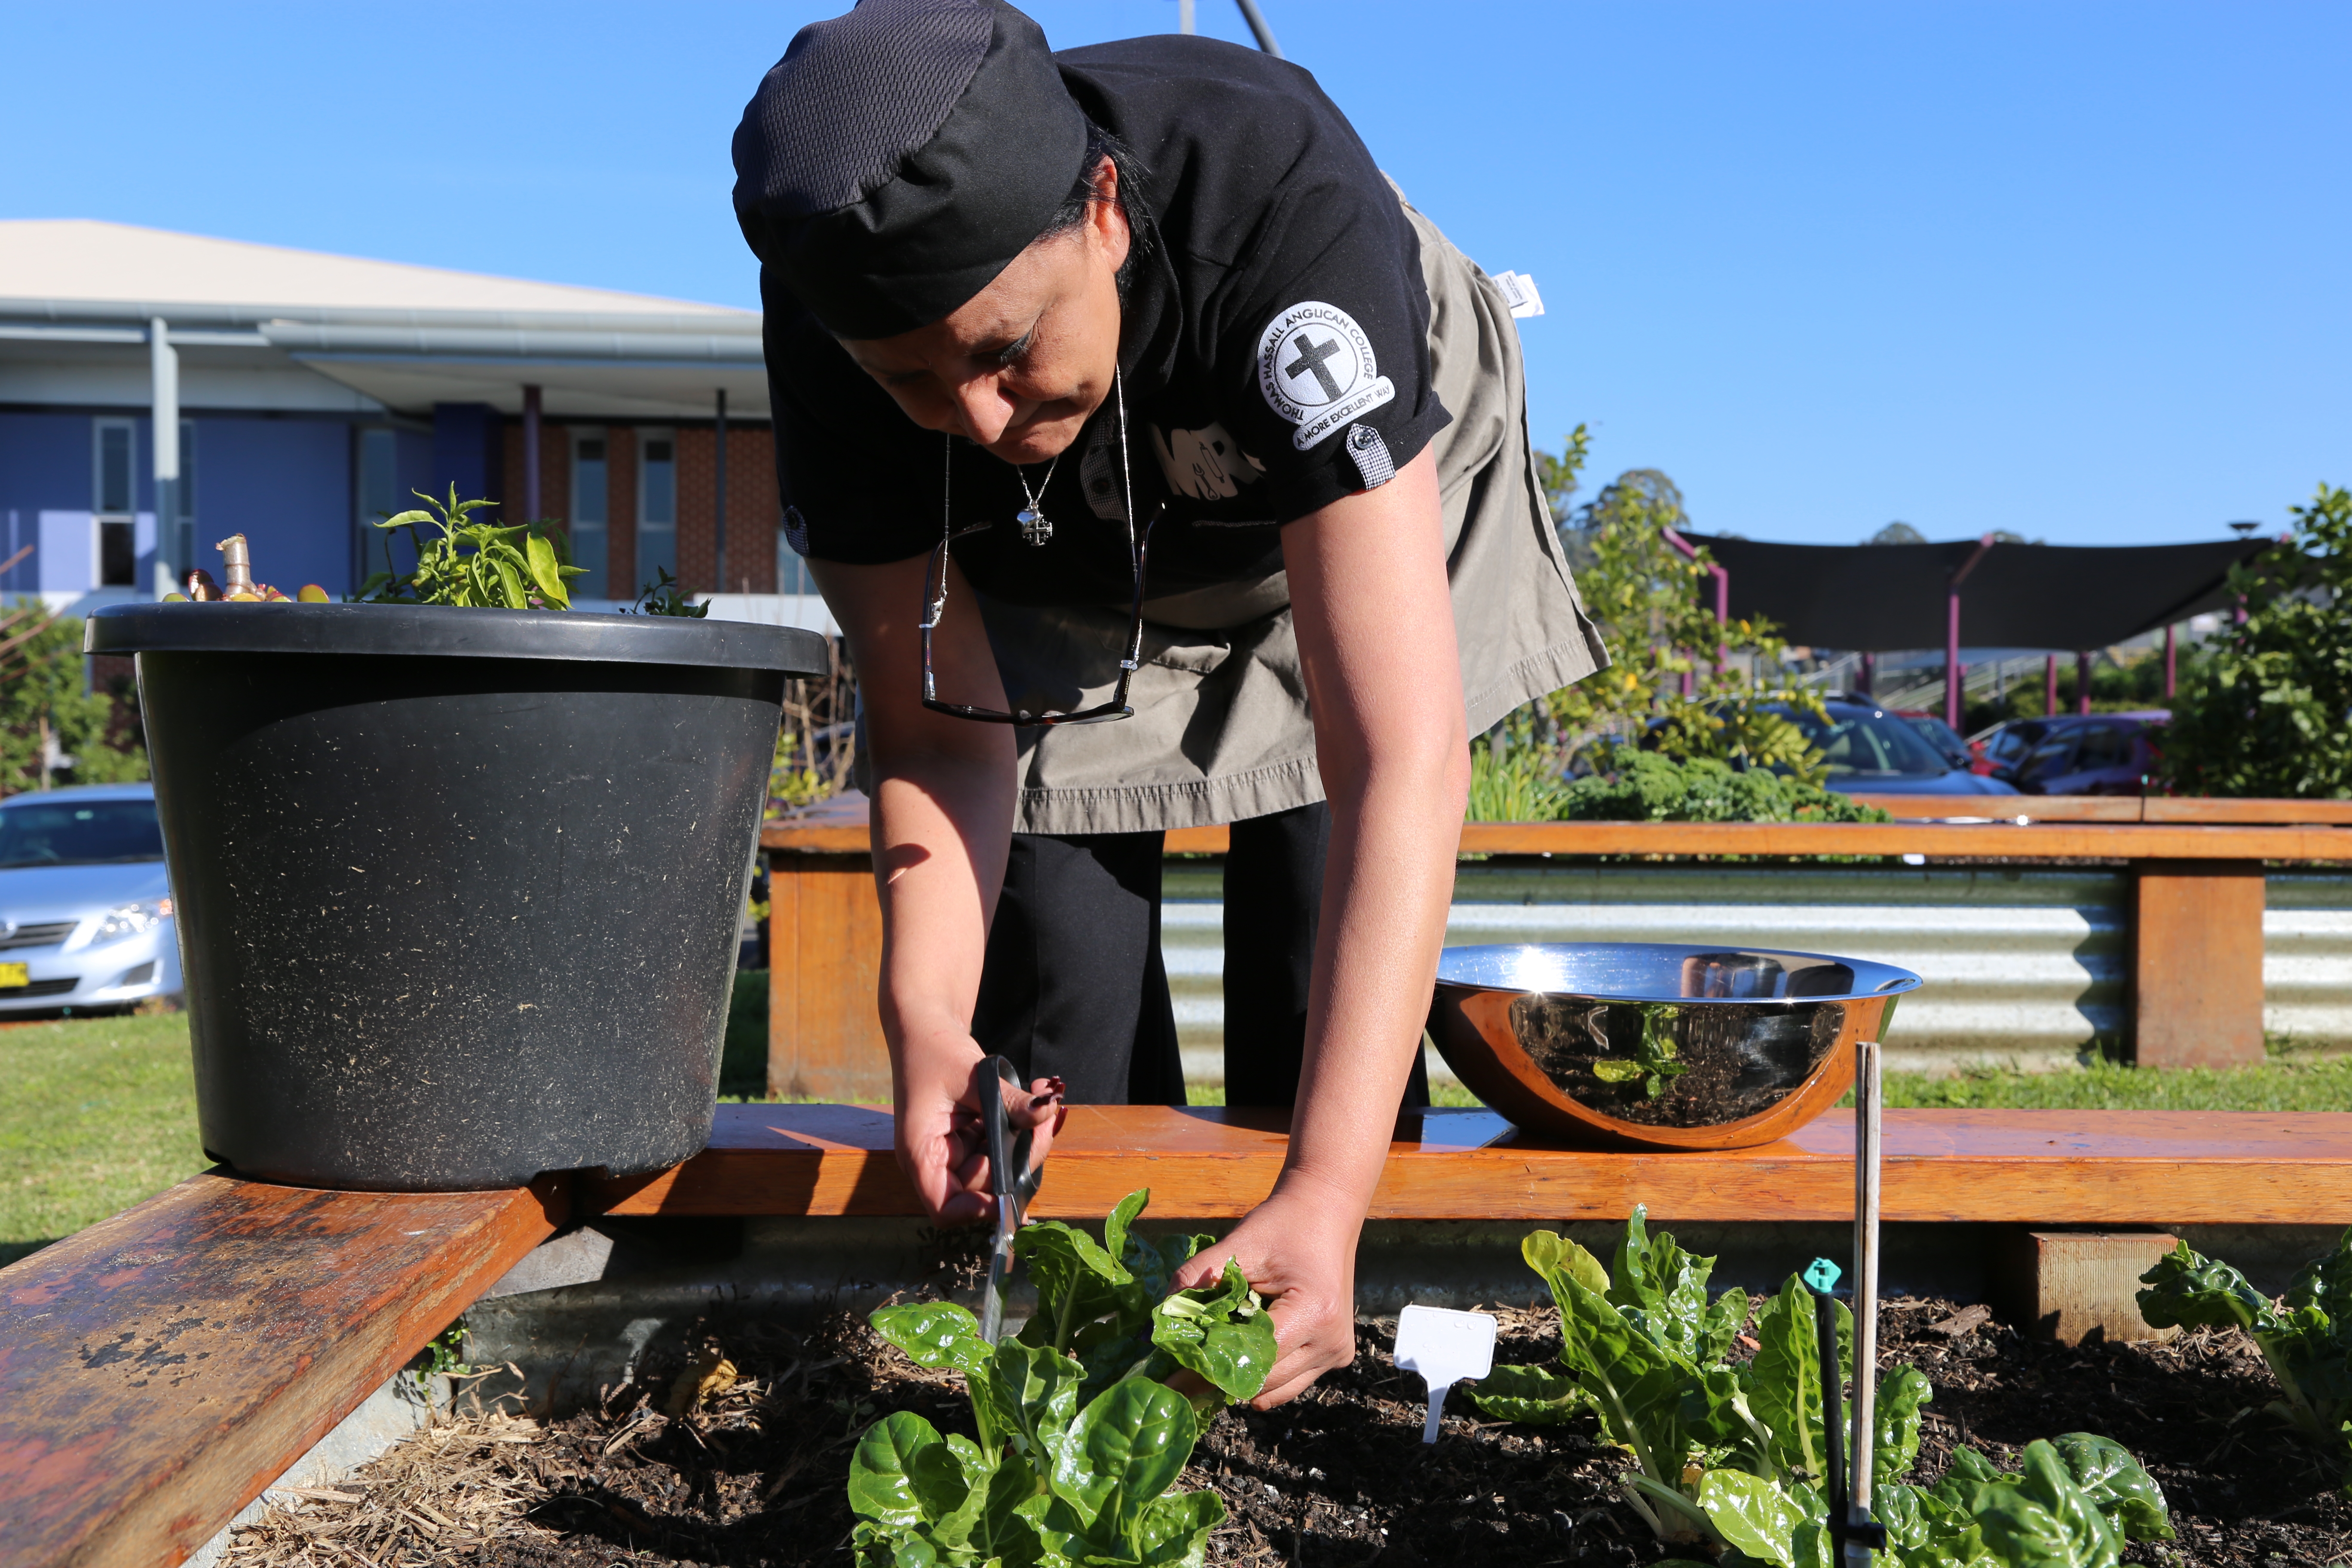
(942, 1144)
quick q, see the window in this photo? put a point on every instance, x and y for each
(656, 511)
(376, 496)
(2103, 747)
(2013, 741)
(1870, 743)
(116, 493)
(2053, 759)
(589, 489)
(79, 833)
(112, 486)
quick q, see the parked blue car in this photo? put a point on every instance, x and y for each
(85, 906)
(1873, 752)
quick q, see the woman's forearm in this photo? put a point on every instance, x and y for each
(1388, 885)
(943, 797)
(1376, 635)
(940, 826)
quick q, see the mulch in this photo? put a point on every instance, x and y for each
(752, 1473)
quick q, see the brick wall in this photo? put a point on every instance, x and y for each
(751, 509)
(750, 499)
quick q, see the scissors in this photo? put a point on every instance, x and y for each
(1012, 1177)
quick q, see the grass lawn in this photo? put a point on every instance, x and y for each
(95, 1114)
(99, 1114)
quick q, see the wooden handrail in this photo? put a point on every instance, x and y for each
(2239, 833)
(2019, 1167)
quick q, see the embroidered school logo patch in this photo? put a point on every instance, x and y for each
(1317, 370)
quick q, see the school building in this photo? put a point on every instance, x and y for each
(160, 392)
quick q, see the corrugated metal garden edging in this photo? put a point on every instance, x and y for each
(2023, 965)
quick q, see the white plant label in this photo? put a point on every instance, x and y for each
(1446, 1347)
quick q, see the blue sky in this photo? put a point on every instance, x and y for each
(2074, 270)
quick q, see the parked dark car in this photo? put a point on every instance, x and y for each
(2097, 754)
(1943, 737)
(1873, 752)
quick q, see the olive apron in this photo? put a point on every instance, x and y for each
(1221, 730)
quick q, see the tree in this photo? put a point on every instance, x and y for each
(1653, 605)
(2268, 710)
(1897, 533)
(44, 697)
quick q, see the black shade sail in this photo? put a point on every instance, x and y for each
(1875, 598)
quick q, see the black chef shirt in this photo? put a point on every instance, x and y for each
(1283, 305)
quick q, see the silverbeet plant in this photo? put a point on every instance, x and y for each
(1732, 1458)
(1080, 1442)
(2305, 1338)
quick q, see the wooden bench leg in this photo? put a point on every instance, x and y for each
(824, 961)
(2196, 963)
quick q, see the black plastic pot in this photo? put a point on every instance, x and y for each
(457, 889)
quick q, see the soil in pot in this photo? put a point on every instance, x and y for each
(1337, 1479)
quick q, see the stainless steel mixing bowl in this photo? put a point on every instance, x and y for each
(1655, 1045)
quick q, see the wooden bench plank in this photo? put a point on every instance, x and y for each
(160, 1368)
(2027, 1167)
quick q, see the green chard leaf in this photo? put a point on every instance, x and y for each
(1221, 1332)
(1123, 1451)
(882, 1485)
(1716, 1411)
(1923, 1530)
(1636, 1384)
(1722, 1325)
(1751, 1513)
(1969, 1470)
(2044, 1520)
(934, 1334)
(1784, 1380)
(1028, 1394)
(1536, 1395)
(2118, 1484)
(1661, 1289)
(1174, 1532)
(2188, 1289)
(1549, 1254)
(1076, 1280)
(1896, 1446)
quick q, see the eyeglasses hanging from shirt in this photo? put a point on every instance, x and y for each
(1036, 530)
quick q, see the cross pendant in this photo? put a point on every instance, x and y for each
(1035, 528)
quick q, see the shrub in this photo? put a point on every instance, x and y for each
(2267, 710)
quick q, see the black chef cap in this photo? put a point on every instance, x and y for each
(898, 157)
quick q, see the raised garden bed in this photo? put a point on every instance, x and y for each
(1337, 1479)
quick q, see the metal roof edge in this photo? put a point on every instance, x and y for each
(726, 323)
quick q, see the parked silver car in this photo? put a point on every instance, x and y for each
(85, 906)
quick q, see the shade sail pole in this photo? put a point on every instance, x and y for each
(1953, 673)
(531, 411)
(1258, 29)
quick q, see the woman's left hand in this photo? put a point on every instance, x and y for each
(1298, 1251)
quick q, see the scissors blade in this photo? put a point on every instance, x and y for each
(1006, 1155)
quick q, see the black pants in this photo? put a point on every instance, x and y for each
(1074, 985)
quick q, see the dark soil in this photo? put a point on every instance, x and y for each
(1337, 1479)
